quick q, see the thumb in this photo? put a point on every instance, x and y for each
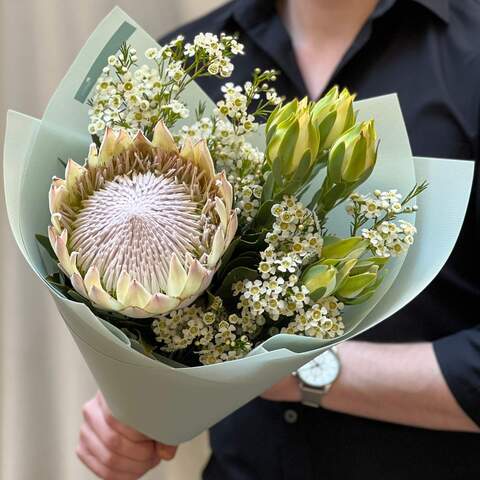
(165, 452)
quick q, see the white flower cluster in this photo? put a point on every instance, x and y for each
(136, 98)
(322, 320)
(295, 235)
(237, 99)
(382, 203)
(218, 336)
(293, 240)
(216, 50)
(390, 239)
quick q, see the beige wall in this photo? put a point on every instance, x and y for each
(43, 379)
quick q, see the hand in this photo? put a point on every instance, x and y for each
(286, 390)
(114, 451)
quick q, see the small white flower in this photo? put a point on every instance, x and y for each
(151, 53)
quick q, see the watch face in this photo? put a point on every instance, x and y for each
(321, 371)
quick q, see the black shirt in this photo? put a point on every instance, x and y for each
(428, 51)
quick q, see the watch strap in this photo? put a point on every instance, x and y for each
(312, 397)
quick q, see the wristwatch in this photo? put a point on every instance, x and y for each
(317, 376)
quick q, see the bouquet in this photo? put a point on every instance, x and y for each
(199, 252)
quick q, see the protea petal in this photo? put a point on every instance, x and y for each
(73, 172)
(195, 277)
(61, 251)
(203, 159)
(162, 138)
(137, 295)
(57, 196)
(187, 151)
(123, 143)
(58, 182)
(92, 159)
(177, 277)
(226, 190)
(160, 304)
(231, 228)
(218, 246)
(222, 213)
(52, 235)
(56, 220)
(107, 147)
(123, 284)
(92, 278)
(78, 285)
(142, 143)
(103, 300)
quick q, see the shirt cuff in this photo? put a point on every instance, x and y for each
(459, 358)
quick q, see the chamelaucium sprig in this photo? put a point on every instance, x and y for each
(138, 98)
(386, 237)
(384, 206)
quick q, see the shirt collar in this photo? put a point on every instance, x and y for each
(260, 20)
(250, 12)
(441, 8)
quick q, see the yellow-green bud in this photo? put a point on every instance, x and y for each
(353, 156)
(356, 285)
(291, 135)
(346, 248)
(320, 280)
(332, 115)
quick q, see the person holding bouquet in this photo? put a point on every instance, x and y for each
(404, 399)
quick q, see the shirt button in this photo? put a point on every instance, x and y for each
(290, 416)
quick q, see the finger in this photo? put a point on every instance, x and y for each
(166, 452)
(119, 427)
(98, 468)
(114, 441)
(106, 457)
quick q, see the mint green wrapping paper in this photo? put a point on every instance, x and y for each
(173, 403)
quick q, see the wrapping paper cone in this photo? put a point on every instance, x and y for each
(170, 402)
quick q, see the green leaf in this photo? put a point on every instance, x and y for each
(343, 270)
(270, 131)
(318, 294)
(335, 163)
(57, 284)
(268, 186)
(360, 299)
(351, 247)
(366, 265)
(355, 167)
(298, 179)
(326, 125)
(287, 146)
(365, 295)
(355, 285)
(264, 218)
(44, 241)
(277, 171)
(330, 198)
(251, 243)
(246, 259)
(229, 251)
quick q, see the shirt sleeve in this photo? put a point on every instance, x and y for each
(459, 358)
